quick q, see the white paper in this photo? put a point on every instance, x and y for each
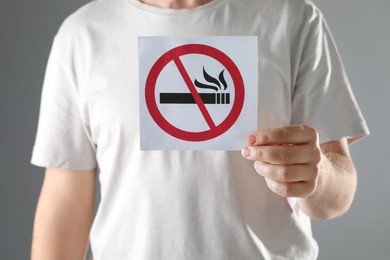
(214, 109)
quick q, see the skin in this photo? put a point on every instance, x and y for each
(294, 164)
(176, 4)
(64, 215)
(290, 159)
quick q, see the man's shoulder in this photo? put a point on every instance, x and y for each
(90, 16)
(291, 9)
(299, 4)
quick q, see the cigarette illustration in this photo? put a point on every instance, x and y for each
(207, 98)
(187, 98)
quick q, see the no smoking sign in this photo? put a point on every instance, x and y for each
(197, 93)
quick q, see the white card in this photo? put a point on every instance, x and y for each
(197, 93)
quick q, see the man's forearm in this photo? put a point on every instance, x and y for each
(335, 190)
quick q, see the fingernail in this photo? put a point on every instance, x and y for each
(246, 152)
(252, 139)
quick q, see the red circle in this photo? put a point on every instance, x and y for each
(185, 50)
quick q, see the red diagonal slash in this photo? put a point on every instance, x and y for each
(194, 93)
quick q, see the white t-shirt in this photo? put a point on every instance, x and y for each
(188, 205)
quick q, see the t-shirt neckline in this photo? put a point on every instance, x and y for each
(175, 12)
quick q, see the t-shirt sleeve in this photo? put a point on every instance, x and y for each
(62, 140)
(322, 95)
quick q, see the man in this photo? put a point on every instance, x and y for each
(192, 205)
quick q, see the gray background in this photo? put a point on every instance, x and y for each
(361, 29)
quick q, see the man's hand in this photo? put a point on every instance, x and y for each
(287, 157)
(294, 164)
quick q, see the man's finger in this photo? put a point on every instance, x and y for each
(288, 173)
(290, 189)
(292, 154)
(292, 134)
